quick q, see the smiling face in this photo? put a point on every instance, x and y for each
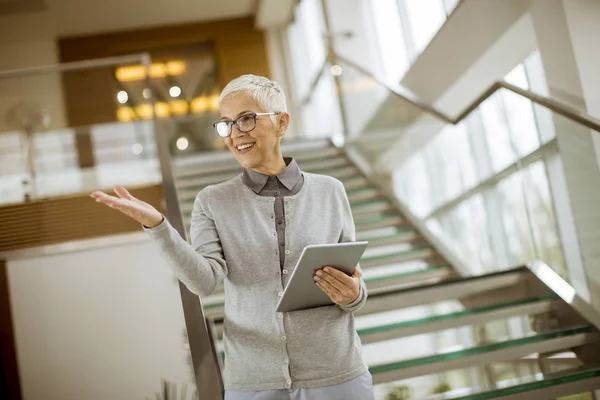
(264, 154)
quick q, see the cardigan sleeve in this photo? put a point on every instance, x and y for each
(349, 235)
(200, 265)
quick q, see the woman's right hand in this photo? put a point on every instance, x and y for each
(134, 208)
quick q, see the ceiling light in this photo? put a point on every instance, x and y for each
(122, 97)
(137, 149)
(336, 70)
(175, 91)
(182, 143)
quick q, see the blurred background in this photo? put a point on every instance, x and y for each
(466, 133)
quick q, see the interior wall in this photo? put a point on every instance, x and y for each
(97, 324)
(558, 37)
(44, 90)
(239, 49)
(583, 17)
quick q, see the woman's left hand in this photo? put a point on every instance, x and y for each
(341, 288)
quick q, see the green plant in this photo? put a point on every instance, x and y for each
(442, 387)
(399, 393)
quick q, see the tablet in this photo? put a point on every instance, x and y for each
(301, 291)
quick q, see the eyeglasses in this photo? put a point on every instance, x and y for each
(245, 123)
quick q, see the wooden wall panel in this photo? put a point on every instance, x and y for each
(239, 49)
(67, 218)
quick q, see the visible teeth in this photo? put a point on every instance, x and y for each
(245, 146)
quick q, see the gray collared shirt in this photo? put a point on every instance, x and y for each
(287, 183)
(233, 240)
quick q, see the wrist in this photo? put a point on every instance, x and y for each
(155, 224)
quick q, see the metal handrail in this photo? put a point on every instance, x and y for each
(546, 102)
(142, 58)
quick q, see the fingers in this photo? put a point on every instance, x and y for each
(329, 283)
(123, 193)
(327, 290)
(111, 201)
(335, 274)
(334, 295)
(357, 273)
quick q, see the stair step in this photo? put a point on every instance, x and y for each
(382, 300)
(209, 163)
(308, 164)
(357, 182)
(397, 257)
(363, 194)
(371, 208)
(390, 238)
(399, 279)
(197, 183)
(484, 354)
(426, 294)
(549, 386)
(473, 316)
(363, 224)
(213, 305)
(419, 253)
(343, 173)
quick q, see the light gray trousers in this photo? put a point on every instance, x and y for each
(359, 388)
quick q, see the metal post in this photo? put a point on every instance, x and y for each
(333, 61)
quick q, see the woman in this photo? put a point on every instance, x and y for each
(249, 232)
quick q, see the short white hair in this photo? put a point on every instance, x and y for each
(265, 92)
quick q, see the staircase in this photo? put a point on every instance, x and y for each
(417, 301)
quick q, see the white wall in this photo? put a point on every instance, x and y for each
(97, 324)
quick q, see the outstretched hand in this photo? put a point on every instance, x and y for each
(341, 288)
(134, 208)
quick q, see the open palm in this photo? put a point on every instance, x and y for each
(134, 208)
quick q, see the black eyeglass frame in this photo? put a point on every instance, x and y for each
(229, 124)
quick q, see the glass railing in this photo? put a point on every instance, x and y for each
(490, 188)
(70, 129)
(532, 379)
(90, 125)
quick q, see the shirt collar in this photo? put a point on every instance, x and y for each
(288, 177)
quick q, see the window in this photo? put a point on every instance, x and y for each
(390, 38)
(497, 133)
(426, 17)
(451, 158)
(307, 47)
(492, 211)
(519, 114)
